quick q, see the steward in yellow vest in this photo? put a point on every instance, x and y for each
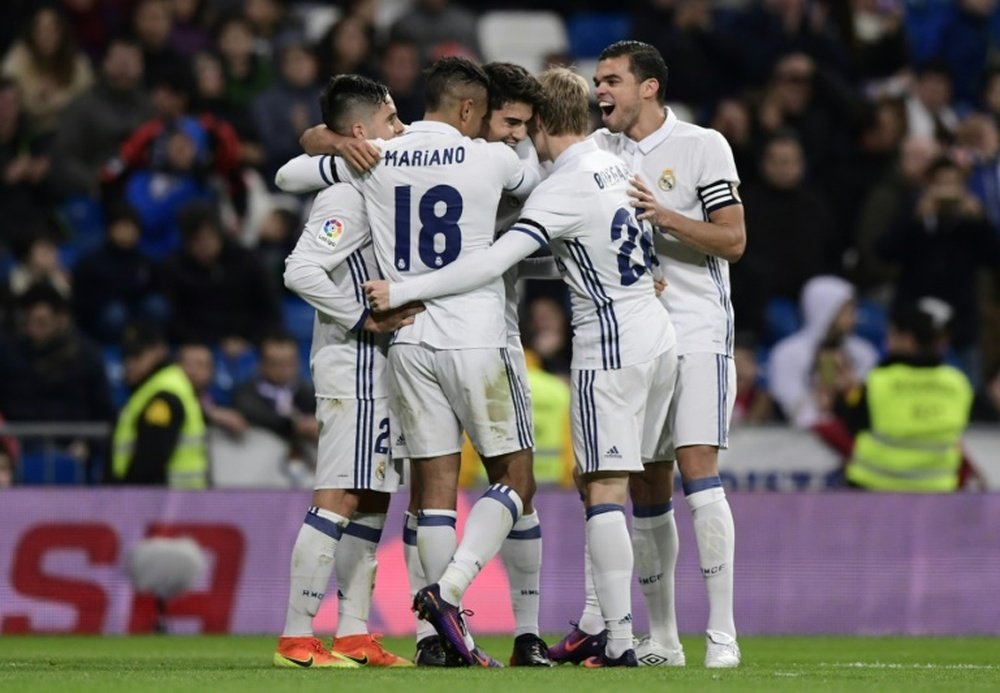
(159, 438)
(911, 414)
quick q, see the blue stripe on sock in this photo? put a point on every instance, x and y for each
(364, 532)
(702, 485)
(322, 524)
(435, 520)
(496, 494)
(409, 536)
(652, 510)
(533, 533)
(602, 508)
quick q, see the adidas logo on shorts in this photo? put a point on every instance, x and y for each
(613, 452)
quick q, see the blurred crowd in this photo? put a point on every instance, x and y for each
(139, 140)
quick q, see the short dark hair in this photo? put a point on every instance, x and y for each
(645, 62)
(511, 83)
(910, 319)
(43, 293)
(196, 215)
(450, 75)
(343, 97)
(276, 336)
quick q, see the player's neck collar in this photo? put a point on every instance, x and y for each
(571, 152)
(433, 126)
(655, 138)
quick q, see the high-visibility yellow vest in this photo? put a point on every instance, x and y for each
(188, 466)
(918, 415)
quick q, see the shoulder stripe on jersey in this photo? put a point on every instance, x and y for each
(525, 221)
(322, 170)
(333, 170)
(535, 236)
(610, 345)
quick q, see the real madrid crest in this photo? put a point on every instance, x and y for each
(667, 180)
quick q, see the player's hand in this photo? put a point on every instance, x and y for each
(360, 154)
(659, 285)
(391, 320)
(377, 292)
(646, 206)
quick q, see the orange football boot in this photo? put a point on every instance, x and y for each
(307, 652)
(367, 650)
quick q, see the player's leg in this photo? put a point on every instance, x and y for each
(314, 551)
(654, 530)
(706, 396)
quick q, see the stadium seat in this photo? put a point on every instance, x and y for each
(872, 323)
(114, 370)
(85, 218)
(591, 32)
(298, 317)
(525, 38)
(49, 467)
(781, 318)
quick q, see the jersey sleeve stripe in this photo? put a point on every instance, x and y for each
(518, 184)
(322, 170)
(525, 221)
(529, 232)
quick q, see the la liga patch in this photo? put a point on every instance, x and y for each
(330, 232)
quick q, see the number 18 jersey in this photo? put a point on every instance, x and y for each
(605, 256)
(431, 199)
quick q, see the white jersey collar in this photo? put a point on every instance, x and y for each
(572, 152)
(655, 138)
(433, 126)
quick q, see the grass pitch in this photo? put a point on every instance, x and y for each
(221, 663)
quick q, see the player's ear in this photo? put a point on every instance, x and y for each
(358, 131)
(466, 109)
(650, 88)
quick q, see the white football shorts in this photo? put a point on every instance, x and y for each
(619, 417)
(354, 443)
(703, 402)
(438, 393)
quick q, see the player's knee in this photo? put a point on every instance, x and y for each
(698, 462)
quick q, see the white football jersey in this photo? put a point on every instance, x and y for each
(331, 260)
(690, 170)
(605, 257)
(431, 199)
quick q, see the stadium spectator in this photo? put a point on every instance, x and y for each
(886, 202)
(37, 261)
(793, 229)
(8, 459)
(928, 107)
(283, 112)
(247, 73)
(808, 368)
(49, 372)
(198, 364)
(210, 98)
(939, 246)
(23, 163)
(346, 48)
(399, 68)
(159, 438)
(434, 25)
(152, 24)
(911, 413)
(965, 43)
(546, 333)
(872, 33)
(753, 404)
(48, 67)
(278, 400)
(218, 290)
(732, 119)
(276, 236)
(979, 139)
(189, 34)
(92, 127)
(115, 284)
(986, 405)
(273, 23)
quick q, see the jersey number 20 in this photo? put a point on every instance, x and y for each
(439, 240)
(624, 226)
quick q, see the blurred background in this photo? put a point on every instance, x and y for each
(138, 144)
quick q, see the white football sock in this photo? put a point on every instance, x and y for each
(591, 620)
(715, 535)
(415, 570)
(436, 541)
(655, 543)
(312, 563)
(488, 524)
(522, 557)
(611, 555)
(355, 567)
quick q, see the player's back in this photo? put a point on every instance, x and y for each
(605, 256)
(432, 198)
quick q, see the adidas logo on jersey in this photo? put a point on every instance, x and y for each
(613, 452)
